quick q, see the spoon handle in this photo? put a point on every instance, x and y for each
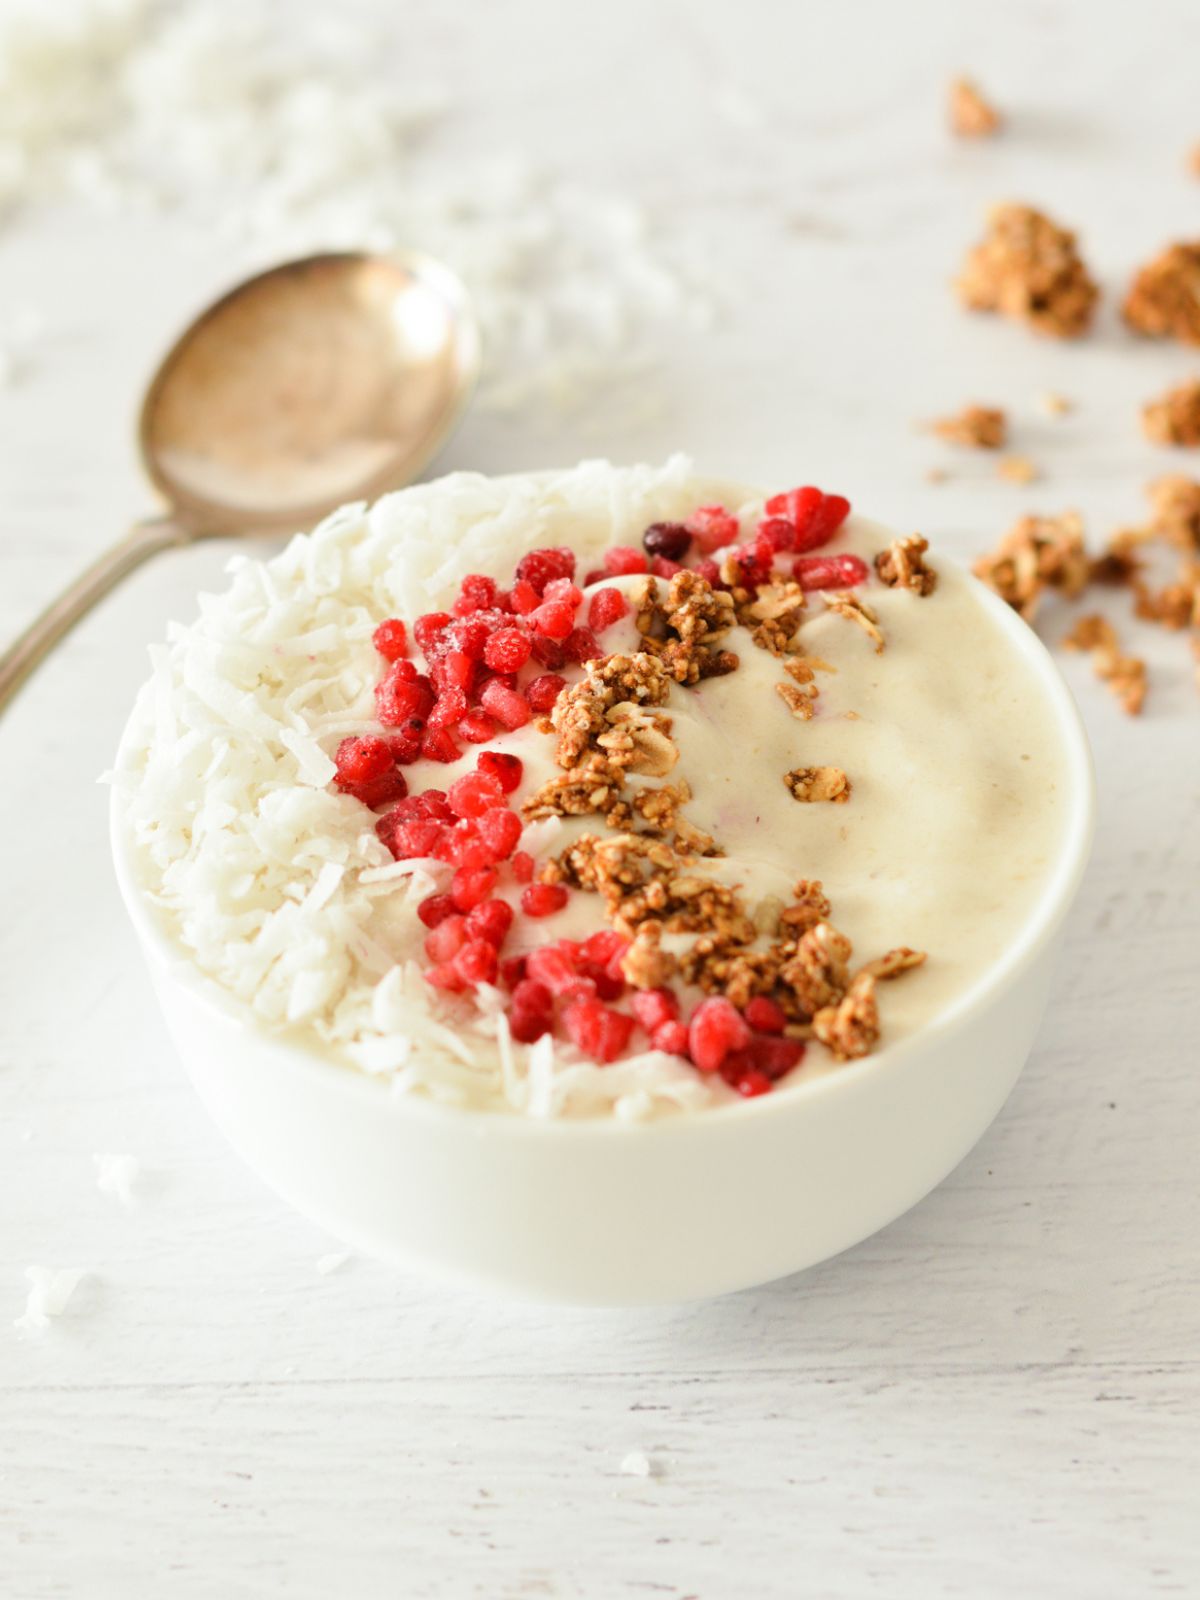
(29, 648)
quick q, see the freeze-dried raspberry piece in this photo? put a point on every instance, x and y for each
(775, 533)
(543, 691)
(715, 1030)
(543, 899)
(606, 607)
(510, 709)
(712, 527)
(541, 567)
(437, 744)
(830, 572)
(776, 1056)
(428, 629)
(445, 941)
(473, 794)
(505, 769)
(500, 829)
(399, 698)
(597, 1031)
(531, 1013)
(512, 971)
(448, 709)
(664, 567)
(507, 650)
(391, 639)
(475, 593)
(671, 1038)
(523, 598)
(522, 866)
(435, 908)
(554, 965)
(581, 645)
(622, 559)
(764, 1016)
(476, 727)
(554, 618)
(462, 845)
(410, 841)
(471, 886)
(490, 920)
(405, 744)
(454, 670)
(362, 761)
(477, 962)
(548, 652)
(654, 1007)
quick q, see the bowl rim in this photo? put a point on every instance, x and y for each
(1043, 922)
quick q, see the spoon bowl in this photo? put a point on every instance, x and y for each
(332, 378)
(322, 380)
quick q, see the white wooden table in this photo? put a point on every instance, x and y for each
(996, 1396)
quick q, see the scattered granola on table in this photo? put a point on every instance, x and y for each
(1055, 404)
(972, 115)
(1125, 675)
(1164, 299)
(1030, 269)
(1174, 419)
(974, 428)
(1036, 554)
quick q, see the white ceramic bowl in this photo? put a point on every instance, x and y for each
(608, 1212)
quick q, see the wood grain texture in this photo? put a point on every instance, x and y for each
(998, 1394)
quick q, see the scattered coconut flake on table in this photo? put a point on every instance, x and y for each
(117, 1175)
(293, 140)
(638, 1465)
(49, 1294)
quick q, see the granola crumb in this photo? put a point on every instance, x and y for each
(1036, 554)
(973, 428)
(818, 783)
(1175, 418)
(1164, 299)
(1193, 160)
(936, 475)
(799, 701)
(1017, 469)
(1055, 404)
(1125, 675)
(856, 610)
(1176, 605)
(1029, 268)
(850, 1028)
(972, 115)
(902, 565)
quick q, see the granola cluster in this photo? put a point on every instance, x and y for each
(684, 629)
(1175, 418)
(902, 565)
(1029, 268)
(1036, 554)
(818, 783)
(974, 428)
(1125, 675)
(1164, 299)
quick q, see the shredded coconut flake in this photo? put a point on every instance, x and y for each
(117, 1175)
(50, 1291)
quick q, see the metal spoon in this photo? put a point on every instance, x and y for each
(324, 380)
